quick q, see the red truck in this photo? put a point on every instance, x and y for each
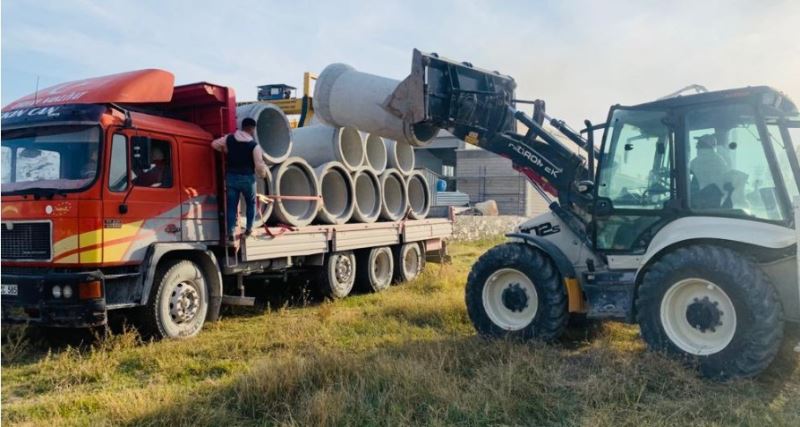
(113, 199)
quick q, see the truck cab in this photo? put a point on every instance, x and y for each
(98, 175)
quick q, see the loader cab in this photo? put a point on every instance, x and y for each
(729, 154)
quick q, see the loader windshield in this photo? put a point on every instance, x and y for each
(49, 159)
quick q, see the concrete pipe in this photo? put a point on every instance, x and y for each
(346, 97)
(419, 195)
(375, 150)
(264, 210)
(273, 131)
(368, 196)
(338, 193)
(294, 178)
(395, 198)
(321, 144)
(400, 156)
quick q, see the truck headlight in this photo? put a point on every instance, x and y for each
(67, 291)
(56, 291)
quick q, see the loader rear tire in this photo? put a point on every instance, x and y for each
(712, 307)
(514, 291)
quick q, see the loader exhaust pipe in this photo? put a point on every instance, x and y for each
(338, 194)
(295, 180)
(395, 195)
(367, 196)
(320, 144)
(273, 131)
(419, 195)
(344, 96)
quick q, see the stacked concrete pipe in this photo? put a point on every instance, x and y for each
(368, 196)
(294, 178)
(375, 157)
(273, 131)
(338, 193)
(400, 156)
(344, 96)
(264, 209)
(320, 144)
(419, 195)
(395, 195)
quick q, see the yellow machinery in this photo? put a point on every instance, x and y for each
(300, 110)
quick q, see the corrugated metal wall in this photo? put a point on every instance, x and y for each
(484, 176)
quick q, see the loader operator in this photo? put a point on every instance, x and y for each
(244, 159)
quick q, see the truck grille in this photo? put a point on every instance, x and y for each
(25, 241)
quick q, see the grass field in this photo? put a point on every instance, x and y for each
(407, 356)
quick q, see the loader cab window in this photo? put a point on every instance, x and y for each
(637, 161)
(159, 174)
(729, 173)
(635, 178)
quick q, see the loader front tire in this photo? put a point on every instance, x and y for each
(514, 291)
(712, 307)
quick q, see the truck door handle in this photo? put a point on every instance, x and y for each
(172, 228)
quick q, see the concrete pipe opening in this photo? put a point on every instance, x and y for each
(395, 199)
(273, 131)
(294, 177)
(400, 156)
(344, 96)
(376, 156)
(351, 148)
(419, 195)
(338, 191)
(368, 196)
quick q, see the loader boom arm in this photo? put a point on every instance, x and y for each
(478, 107)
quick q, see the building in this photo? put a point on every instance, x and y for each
(480, 174)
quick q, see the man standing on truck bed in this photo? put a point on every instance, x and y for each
(244, 159)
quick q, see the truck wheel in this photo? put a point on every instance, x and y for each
(514, 291)
(178, 302)
(339, 275)
(713, 307)
(408, 262)
(375, 269)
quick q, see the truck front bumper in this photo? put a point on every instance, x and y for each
(29, 298)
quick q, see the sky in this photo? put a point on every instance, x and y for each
(579, 56)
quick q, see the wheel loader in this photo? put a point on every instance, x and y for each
(682, 219)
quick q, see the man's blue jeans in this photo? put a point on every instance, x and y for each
(240, 185)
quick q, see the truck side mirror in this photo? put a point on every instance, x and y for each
(140, 152)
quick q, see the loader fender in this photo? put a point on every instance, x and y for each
(561, 261)
(196, 252)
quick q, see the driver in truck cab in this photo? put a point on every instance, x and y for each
(244, 159)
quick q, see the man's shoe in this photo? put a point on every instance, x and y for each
(231, 240)
(248, 232)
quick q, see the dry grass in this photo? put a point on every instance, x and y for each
(407, 356)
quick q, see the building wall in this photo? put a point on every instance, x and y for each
(487, 176)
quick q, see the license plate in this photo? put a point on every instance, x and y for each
(9, 290)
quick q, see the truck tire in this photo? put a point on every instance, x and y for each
(713, 307)
(514, 291)
(338, 275)
(178, 301)
(408, 262)
(375, 269)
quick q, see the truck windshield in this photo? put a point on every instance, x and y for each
(60, 158)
